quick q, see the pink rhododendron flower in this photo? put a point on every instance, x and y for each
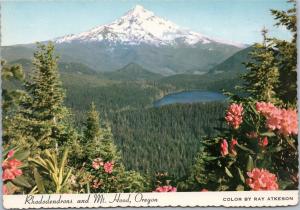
(5, 190)
(108, 167)
(97, 163)
(10, 169)
(263, 142)
(14, 163)
(289, 122)
(262, 179)
(166, 188)
(10, 153)
(283, 120)
(234, 115)
(265, 108)
(8, 175)
(224, 147)
(232, 146)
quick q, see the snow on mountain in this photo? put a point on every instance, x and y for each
(141, 26)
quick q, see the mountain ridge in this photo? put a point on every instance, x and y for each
(131, 72)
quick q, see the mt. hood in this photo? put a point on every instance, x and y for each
(140, 26)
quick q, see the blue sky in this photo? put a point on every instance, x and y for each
(232, 20)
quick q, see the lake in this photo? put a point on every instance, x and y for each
(190, 97)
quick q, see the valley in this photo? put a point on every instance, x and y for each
(143, 132)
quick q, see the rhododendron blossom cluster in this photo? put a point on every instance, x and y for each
(166, 188)
(107, 166)
(224, 147)
(283, 120)
(97, 163)
(262, 179)
(10, 168)
(234, 115)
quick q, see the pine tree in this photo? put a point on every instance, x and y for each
(286, 54)
(92, 131)
(12, 96)
(98, 138)
(262, 78)
(45, 111)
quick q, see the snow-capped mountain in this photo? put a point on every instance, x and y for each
(139, 26)
(140, 37)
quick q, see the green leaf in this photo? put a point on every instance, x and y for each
(241, 175)
(284, 184)
(62, 164)
(228, 172)
(66, 178)
(222, 188)
(21, 181)
(240, 188)
(268, 134)
(39, 181)
(88, 188)
(21, 155)
(10, 186)
(34, 190)
(275, 149)
(210, 158)
(250, 164)
(245, 148)
(39, 162)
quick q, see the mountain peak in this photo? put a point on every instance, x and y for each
(138, 9)
(137, 14)
(139, 26)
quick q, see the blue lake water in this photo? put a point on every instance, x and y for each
(190, 97)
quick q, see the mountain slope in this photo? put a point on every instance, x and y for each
(74, 68)
(131, 72)
(233, 63)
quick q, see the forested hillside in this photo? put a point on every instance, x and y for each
(126, 103)
(165, 139)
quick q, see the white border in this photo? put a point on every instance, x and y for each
(171, 199)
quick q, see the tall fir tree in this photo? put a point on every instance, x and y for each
(262, 78)
(286, 54)
(45, 111)
(98, 138)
